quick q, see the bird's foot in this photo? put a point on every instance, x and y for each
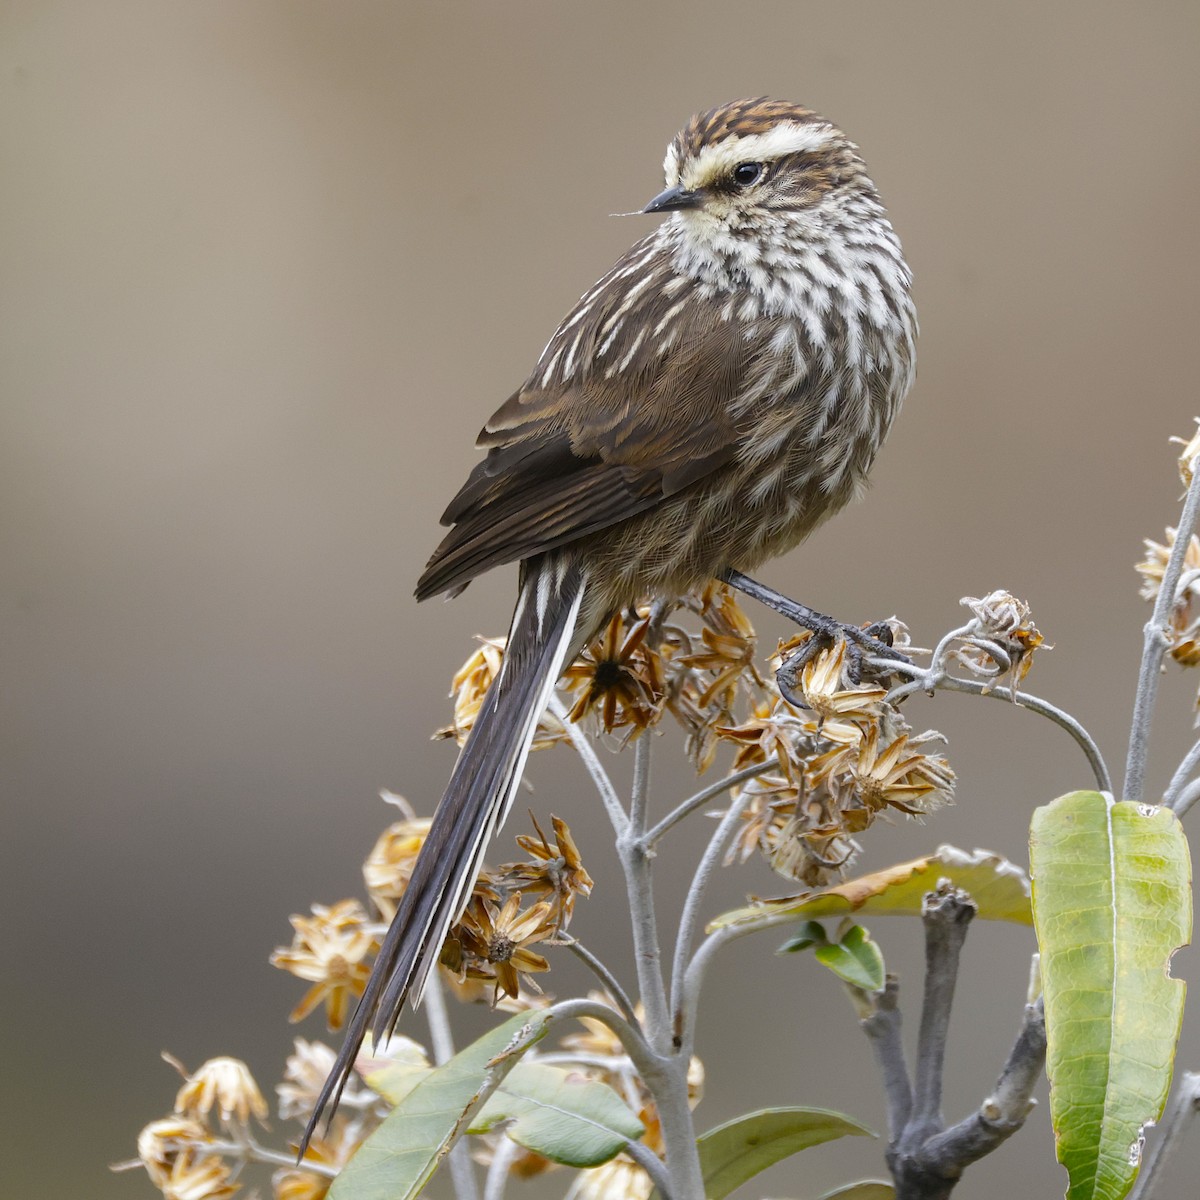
(863, 644)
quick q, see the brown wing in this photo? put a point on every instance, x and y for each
(576, 451)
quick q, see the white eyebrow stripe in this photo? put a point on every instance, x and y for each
(788, 137)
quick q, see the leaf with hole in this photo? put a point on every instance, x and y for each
(1112, 903)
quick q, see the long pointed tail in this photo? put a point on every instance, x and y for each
(474, 806)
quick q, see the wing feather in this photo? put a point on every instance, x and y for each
(569, 457)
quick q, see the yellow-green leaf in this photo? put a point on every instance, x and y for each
(999, 888)
(1112, 903)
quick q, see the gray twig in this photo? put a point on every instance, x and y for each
(1155, 643)
(946, 914)
(250, 1151)
(636, 864)
(925, 1160)
(928, 681)
(593, 766)
(504, 1154)
(652, 1165)
(883, 1029)
(702, 797)
(1184, 801)
(682, 1029)
(1005, 1110)
(611, 984)
(1181, 778)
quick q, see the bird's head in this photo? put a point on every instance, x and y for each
(759, 170)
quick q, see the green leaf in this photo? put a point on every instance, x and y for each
(557, 1113)
(998, 887)
(740, 1149)
(1111, 904)
(855, 958)
(865, 1189)
(812, 933)
(570, 1120)
(396, 1161)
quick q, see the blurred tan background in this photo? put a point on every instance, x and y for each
(266, 267)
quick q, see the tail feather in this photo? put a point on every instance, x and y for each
(475, 804)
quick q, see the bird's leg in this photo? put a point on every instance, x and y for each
(875, 639)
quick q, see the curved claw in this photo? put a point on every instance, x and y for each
(875, 640)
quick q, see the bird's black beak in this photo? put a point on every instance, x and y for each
(671, 199)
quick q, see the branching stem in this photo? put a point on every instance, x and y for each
(665, 1075)
(610, 982)
(1155, 643)
(1182, 777)
(684, 1029)
(928, 681)
(652, 836)
(594, 768)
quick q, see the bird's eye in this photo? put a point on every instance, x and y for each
(745, 174)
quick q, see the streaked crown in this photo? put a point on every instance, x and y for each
(758, 155)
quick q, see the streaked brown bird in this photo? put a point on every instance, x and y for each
(716, 396)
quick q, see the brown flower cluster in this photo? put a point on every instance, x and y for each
(489, 952)
(187, 1158)
(649, 662)
(829, 769)
(834, 769)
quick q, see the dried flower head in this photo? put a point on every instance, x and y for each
(496, 941)
(555, 871)
(225, 1083)
(1189, 453)
(197, 1175)
(727, 659)
(470, 685)
(161, 1142)
(826, 686)
(830, 780)
(1184, 616)
(328, 950)
(897, 773)
(390, 864)
(619, 676)
(307, 1068)
(1000, 639)
(797, 827)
